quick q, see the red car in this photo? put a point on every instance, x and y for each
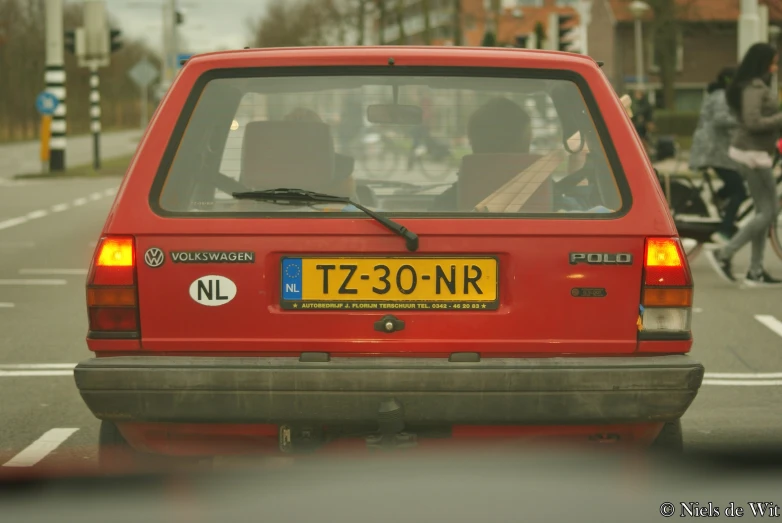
(268, 278)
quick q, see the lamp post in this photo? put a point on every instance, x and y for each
(638, 9)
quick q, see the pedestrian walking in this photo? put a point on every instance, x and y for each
(710, 144)
(752, 147)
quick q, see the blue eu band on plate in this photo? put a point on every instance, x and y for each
(381, 283)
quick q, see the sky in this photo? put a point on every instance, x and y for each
(209, 24)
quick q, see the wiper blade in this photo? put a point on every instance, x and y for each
(303, 196)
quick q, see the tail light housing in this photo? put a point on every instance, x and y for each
(666, 293)
(112, 293)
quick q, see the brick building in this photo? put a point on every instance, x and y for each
(708, 41)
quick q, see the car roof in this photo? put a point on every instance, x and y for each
(401, 55)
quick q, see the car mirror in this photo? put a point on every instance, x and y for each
(395, 114)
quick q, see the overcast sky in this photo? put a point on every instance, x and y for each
(209, 24)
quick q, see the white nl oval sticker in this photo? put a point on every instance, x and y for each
(212, 291)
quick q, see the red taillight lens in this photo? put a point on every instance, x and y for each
(664, 264)
(113, 319)
(666, 297)
(114, 262)
(111, 290)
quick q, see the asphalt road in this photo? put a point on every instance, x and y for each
(47, 234)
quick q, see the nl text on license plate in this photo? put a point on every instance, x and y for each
(378, 283)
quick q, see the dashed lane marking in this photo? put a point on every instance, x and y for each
(40, 448)
(60, 207)
(54, 272)
(6, 305)
(33, 282)
(6, 366)
(771, 322)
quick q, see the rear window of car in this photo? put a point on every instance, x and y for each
(423, 142)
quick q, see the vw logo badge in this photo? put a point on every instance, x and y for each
(154, 257)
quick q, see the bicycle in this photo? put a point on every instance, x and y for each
(697, 218)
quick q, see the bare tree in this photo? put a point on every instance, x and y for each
(22, 64)
(400, 20)
(289, 23)
(666, 31)
(425, 7)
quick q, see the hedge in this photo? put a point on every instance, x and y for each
(677, 123)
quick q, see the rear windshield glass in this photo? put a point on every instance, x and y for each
(405, 144)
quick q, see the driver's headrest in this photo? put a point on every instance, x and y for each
(287, 154)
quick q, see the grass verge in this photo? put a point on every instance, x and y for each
(109, 167)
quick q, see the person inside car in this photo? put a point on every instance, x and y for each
(343, 184)
(499, 126)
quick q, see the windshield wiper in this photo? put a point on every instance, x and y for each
(296, 196)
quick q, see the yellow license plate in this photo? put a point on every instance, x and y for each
(378, 283)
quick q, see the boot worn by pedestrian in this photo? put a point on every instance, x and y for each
(722, 266)
(761, 279)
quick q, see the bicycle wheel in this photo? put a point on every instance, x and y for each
(692, 248)
(775, 232)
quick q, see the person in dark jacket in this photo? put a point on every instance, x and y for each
(710, 145)
(752, 147)
(643, 114)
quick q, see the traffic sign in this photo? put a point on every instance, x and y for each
(46, 103)
(143, 73)
(181, 58)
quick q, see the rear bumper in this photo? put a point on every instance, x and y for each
(541, 391)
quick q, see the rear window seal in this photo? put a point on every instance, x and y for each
(489, 72)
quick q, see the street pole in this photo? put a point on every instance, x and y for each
(144, 104)
(585, 17)
(54, 78)
(749, 22)
(95, 114)
(639, 56)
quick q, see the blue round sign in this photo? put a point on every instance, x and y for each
(46, 103)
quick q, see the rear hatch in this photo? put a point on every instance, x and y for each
(531, 249)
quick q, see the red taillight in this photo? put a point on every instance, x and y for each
(111, 289)
(664, 263)
(666, 296)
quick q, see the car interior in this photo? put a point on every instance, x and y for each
(303, 155)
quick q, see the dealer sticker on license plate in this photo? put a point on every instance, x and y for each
(426, 283)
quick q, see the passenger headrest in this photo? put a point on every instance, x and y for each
(287, 154)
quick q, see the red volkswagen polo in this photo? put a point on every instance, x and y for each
(388, 244)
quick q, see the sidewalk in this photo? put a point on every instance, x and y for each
(24, 157)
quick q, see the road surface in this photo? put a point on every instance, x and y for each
(47, 234)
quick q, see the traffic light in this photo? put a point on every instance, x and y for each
(115, 40)
(69, 41)
(568, 34)
(179, 17)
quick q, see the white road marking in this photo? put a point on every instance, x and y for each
(29, 366)
(744, 375)
(6, 305)
(40, 213)
(697, 309)
(54, 272)
(33, 282)
(771, 322)
(40, 448)
(743, 383)
(13, 222)
(37, 214)
(34, 373)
